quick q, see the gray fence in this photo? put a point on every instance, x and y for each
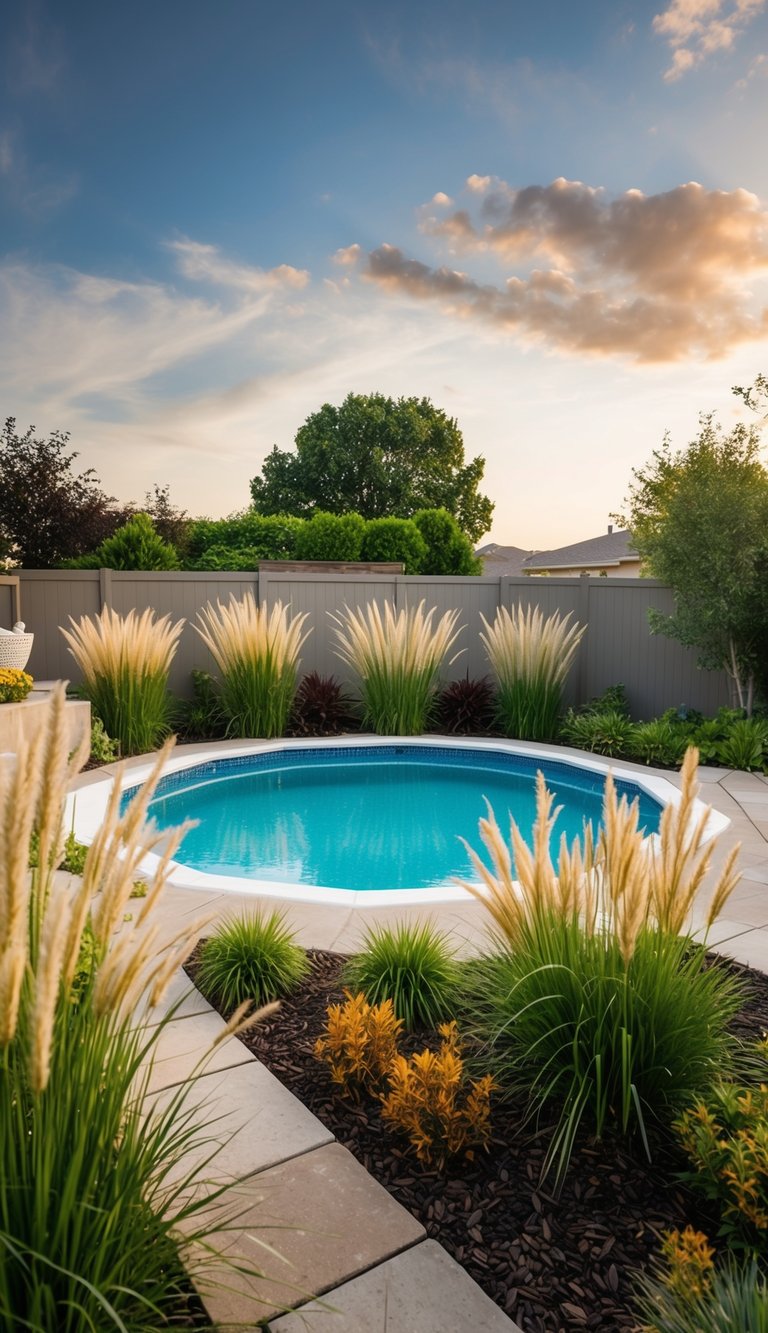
(658, 672)
(9, 600)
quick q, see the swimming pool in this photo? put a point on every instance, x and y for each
(359, 820)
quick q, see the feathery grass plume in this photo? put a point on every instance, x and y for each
(256, 649)
(125, 661)
(592, 1000)
(398, 657)
(87, 1218)
(530, 657)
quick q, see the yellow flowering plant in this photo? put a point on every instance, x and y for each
(14, 685)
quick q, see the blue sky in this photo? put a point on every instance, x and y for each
(214, 218)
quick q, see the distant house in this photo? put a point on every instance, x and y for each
(608, 556)
(502, 560)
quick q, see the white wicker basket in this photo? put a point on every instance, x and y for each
(15, 650)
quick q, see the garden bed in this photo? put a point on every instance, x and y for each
(551, 1264)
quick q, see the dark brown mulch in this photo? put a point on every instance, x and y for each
(552, 1264)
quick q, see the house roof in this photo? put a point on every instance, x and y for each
(610, 548)
(502, 560)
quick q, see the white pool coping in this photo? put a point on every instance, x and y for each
(87, 806)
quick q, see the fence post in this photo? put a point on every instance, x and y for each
(105, 588)
(582, 615)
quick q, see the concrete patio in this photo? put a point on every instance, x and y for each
(335, 1247)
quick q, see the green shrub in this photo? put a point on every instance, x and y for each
(331, 537)
(103, 749)
(397, 657)
(449, 551)
(257, 652)
(263, 537)
(411, 965)
(595, 1005)
(688, 1294)
(134, 546)
(230, 559)
(725, 1136)
(252, 957)
(612, 700)
(530, 657)
(657, 742)
(389, 539)
(202, 717)
(610, 733)
(125, 661)
(745, 745)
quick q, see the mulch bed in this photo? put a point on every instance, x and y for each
(552, 1264)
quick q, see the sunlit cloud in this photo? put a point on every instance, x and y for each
(205, 263)
(696, 29)
(652, 277)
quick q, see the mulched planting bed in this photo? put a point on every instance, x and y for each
(551, 1264)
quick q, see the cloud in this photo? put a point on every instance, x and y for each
(441, 200)
(696, 29)
(348, 256)
(652, 277)
(32, 188)
(205, 263)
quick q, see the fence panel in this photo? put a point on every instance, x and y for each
(319, 595)
(471, 597)
(658, 672)
(48, 599)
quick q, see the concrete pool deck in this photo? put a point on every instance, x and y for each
(333, 1232)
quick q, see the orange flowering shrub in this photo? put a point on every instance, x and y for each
(430, 1099)
(726, 1138)
(359, 1043)
(689, 1262)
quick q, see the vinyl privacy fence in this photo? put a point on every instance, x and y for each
(658, 673)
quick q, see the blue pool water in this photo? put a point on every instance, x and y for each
(366, 817)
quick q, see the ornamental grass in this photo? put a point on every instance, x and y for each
(530, 657)
(594, 1004)
(397, 657)
(93, 1188)
(125, 661)
(257, 652)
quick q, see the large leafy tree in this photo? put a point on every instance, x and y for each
(699, 521)
(379, 457)
(49, 512)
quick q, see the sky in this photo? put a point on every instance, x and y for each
(549, 219)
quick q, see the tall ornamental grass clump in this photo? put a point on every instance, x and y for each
(594, 1006)
(530, 657)
(125, 661)
(398, 657)
(256, 649)
(93, 1188)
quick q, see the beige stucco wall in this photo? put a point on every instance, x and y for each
(24, 720)
(628, 569)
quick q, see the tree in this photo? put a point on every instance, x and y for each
(171, 524)
(448, 550)
(699, 522)
(136, 545)
(378, 457)
(49, 513)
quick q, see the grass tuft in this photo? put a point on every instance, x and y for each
(252, 957)
(411, 965)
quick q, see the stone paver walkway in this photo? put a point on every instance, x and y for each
(313, 1220)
